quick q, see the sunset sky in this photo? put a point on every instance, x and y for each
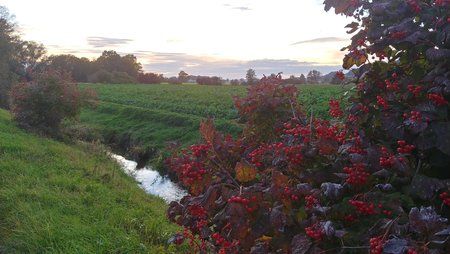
(210, 37)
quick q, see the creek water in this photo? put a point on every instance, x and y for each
(150, 180)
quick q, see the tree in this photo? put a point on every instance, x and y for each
(235, 82)
(79, 68)
(113, 62)
(150, 78)
(313, 77)
(302, 79)
(211, 81)
(183, 76)
(30, 53)
(251, 77)
(18, 58)
(8, 44)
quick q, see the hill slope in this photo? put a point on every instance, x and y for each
(56, 198)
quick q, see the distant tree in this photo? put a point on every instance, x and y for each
(150, 78)
(173, 81)
(111, 61)
(211, 81)
(235, 82)
(251, 77)
(120, 77)
(293, 80)
(302, 79)
(314, 77)
(101, 76)
(79, 68)
(183, 76)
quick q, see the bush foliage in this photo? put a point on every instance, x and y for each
(42, 104)
(374, 179)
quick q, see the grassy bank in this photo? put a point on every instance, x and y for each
(56, 198)
(152, 115)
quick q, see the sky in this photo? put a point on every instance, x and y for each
(208, 37)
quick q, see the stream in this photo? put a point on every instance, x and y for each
(150, 180)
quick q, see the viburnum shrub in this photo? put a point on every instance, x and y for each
(375, 179)
(43, 103)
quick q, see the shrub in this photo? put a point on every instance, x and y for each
(42, 104)
(374, 179)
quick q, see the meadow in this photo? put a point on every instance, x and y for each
(60, 198)
(153, 115)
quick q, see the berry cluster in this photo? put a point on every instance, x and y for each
(197, 211)
(199, 150)
(257, 156)
(445, 198)
(311, 201)
(414, 116)
(363, 108)
(315, 232)
(298, 131)
(393, 86)
(415, 90)
(191, 172)
(288, 193)
(243, 201)
(376, 245)
(382, 102)
(357, 174)
(225, 245)
(387, 159)
(335, 109)
(293, 154)
(438, 99)
(325, 130)
(404, 148)
(363, 207)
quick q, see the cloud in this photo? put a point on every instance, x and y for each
(242, 8)
(103, 42)
(171, 63)
(320, 40)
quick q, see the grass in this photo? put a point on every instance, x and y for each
(58, 198)
(151, 115)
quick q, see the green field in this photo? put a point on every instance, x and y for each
(58, 198)
(151, 115)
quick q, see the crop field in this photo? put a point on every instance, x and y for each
(152, 115)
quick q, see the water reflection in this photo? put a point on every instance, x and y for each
(151, 181)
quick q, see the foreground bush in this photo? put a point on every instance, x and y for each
(42, 104)
(374, 179)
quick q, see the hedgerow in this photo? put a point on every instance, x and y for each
(374, 179)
